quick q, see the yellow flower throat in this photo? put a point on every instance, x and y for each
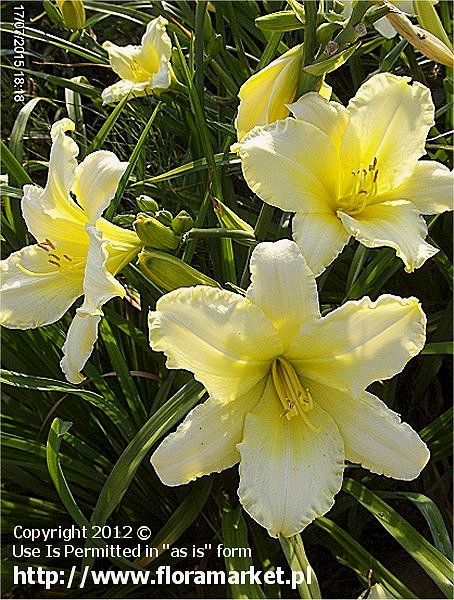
(362, 188)
(68, 266)
(296, 399)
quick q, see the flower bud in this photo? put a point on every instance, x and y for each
(165, 217)
(169, 272)
(73, 13)
(424, 41)
(228, 218)
(147, 204)
(182, 223)
(428, 19)
(154, 234)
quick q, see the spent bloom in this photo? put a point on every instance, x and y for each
(353, 171)
(77, 251)
(286, 388)
(143, 68)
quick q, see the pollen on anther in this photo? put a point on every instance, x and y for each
(55, 256)
(53, 262)
(67, 257)
(49, 243)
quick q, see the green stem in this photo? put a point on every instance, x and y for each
(295, 554)
(310, 31)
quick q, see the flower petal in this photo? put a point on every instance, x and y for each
(394, 224)
(329, 117)
(264, 96)
(429, 188)
(291, 164)
(95, 182)
(122, 88)
(289, 473)
(321, 237)
(99, 286)
(218, 335)
(156, 48)
(35, 300)
(50, 212)
(373, 435)
(124, 61)
(360, 342)
(283, 286)
(206, 440)
(391, 120)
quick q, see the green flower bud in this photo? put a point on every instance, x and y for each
(168, 272)
(228, 218)
(153, 233)
(123, 220)
(73, 13)
(165, 217)
(147, 204)
(182, 223)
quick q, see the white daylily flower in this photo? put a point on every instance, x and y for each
(78, 252)
(287, 388)
(141, 68)
(353, 171)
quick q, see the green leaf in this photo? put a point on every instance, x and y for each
(235, 537)
(107, 126)
(295, 554)
(112, 209)
(13, 166)
(437, 566)
(438, 348)
(109, 408)
(360, 560)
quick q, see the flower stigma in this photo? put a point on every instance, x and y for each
(296, 399)
(363, 187)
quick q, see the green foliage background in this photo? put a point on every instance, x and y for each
(97, 471)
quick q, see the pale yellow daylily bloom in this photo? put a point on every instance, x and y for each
(287, 388)
(383, 26)
(143, 68)
(78, 252)
(353, 171)
(265, 95)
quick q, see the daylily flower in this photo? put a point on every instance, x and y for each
(353, 171)
(143, 68)
(78, 252)
(265, 96)
(286, 388)
(383, 26)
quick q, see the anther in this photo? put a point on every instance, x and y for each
(49, 243)
(55, 256)
(53, 262)
(67, 257)
(43, 247)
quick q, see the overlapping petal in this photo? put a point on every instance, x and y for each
(277, 268)
(99, 286)
(289, 473)
(34, 291)
(96, 179)
(360, 342)
(373, 435)
(206, 440)
(49, 211)
(321, 237)
(292, 165)
(391, 120)
(124, 61)
(394, 224)
(218, 335)
(430, 188)
(156, 50)
(330, 117)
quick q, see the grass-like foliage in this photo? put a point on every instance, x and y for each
(80, 454)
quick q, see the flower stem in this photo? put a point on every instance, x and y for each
(295, 554)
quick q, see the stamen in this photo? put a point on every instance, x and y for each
(296, 400)
(67, 257)
(54, 256)
(53, 262)
(43, 247)
(49, 243)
